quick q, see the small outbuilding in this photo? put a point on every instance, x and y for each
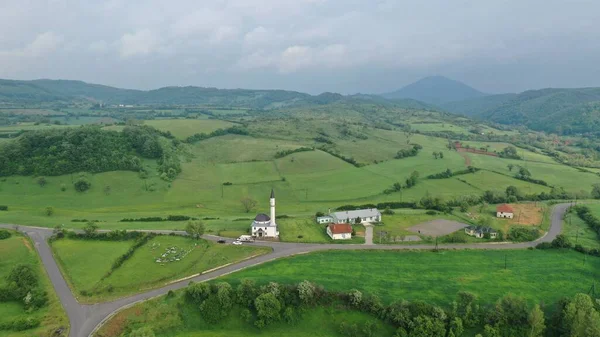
(340, 231)
(481, 232)
(504, 211)
(324, 219)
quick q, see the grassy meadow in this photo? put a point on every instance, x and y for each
(141, 271)
(19, 250)
(538, 276)
(304, 182)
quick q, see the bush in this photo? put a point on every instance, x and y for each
(21, 324)
(3, 208)
(431, 212)
(82, 184)
(561, 241)
(4, 234)
(49, 211)
(523, 234)
(543, 245)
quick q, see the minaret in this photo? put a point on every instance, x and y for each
(272, 201)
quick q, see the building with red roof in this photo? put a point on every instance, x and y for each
(504, 211)
(340, 231)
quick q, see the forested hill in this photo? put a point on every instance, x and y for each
(565, 111)
(90, 149)
(435, 90)
(49, 91)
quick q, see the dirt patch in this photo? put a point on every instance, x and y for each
(438, 227)
(527, 215)
(27, 244)
(467, 158)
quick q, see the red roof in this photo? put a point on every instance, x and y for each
(340, 228)
(504, 208)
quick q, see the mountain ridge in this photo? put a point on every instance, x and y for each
(435, 90)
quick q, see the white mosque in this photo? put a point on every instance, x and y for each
(264, 226)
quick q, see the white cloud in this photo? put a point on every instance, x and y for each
(140, 43)
(98, 46)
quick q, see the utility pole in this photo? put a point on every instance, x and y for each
(222, 187)
(436, 243)
(505, 261)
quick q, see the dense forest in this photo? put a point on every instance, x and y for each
(91, 149)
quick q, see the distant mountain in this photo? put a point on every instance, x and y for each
(51, 91)
(435, 90)
(566, 111)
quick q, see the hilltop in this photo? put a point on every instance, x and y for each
(435, 90)
(565, 111)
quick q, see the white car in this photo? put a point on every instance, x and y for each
(237, 242)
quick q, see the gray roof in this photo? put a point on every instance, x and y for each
(262, 217)
(361, 213)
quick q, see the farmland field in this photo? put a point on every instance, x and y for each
(183, 128)
(18, 250)
(437, 277)
(162, 259)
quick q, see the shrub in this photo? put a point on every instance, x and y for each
(49, 211)
(523, 234)
(543, 245)
(431, 212)
(3, 208)
(561, 241)
(4, 234)
(82, 184)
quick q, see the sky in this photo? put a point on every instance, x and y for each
(345, 46)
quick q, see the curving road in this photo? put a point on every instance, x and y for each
(84, 319)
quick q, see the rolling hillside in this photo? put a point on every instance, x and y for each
(65, 91)
(565, 111)
(435, 90)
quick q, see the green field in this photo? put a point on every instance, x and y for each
(18, 250)
(579, 232)
(181, 319)
(437, 277)
(142, 271)
(183, 128)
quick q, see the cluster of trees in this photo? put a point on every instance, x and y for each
(511, 315)
(437, 155)
(323, 139)
(234, 130)
(84, 149)
(22, 285)
(525, 175)
(4, 234)
(411, 181)
(449, 174)
(348, 160)
(509, 152)
(283, 153)
(404, 153)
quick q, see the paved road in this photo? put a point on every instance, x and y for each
(85, 318)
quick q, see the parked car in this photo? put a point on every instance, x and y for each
(221, 241)
(237, 242)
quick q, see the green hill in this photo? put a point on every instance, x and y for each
(565, 111)
(52, 91)
(435, 90)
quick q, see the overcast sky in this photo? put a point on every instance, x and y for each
(346, 46)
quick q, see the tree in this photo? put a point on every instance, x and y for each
(425, 326)
(355, 298)
(456, 327)
(142, 332)
(306, 292)
(246, 292)
(581, 318)
(441, 155)
(42, 181)
(523, 173)
(513, 191)
(248, 204)
(21, 280)
(536, 322)
(596, 191)
(412, 180)
(107, 190)
(82, 184)
(435, 155)
(268, 309)
(357, 221)
(195, 229)
(90, 229)
(561, 241)
(510, 167)
(49, 211)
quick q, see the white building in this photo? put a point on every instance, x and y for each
(504, 211)
(324, 219)
(365, 215)
(340, 231)
(264, 226)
